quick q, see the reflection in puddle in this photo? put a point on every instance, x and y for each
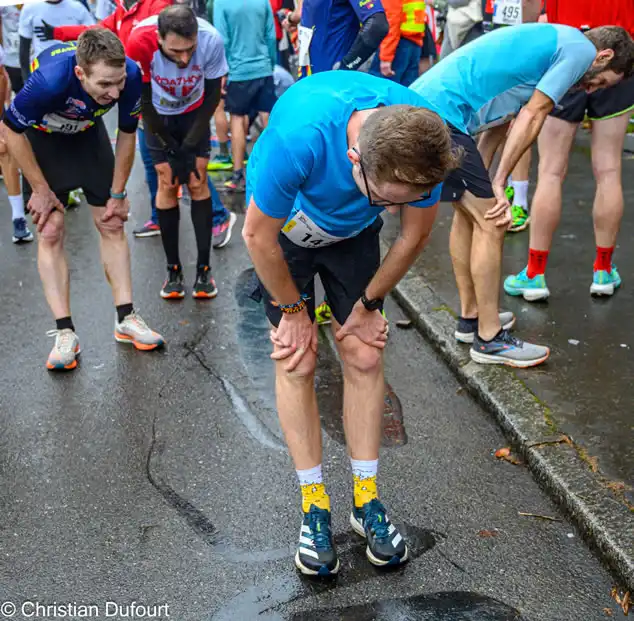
(448, 606)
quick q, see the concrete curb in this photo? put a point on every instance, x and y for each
(560, 466)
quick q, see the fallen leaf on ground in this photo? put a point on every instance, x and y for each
(626, 604)
(608, 612)
(488, 533)
(505, 454)
(540, 517)
(183, 322)
(404, 324)
(593, 462)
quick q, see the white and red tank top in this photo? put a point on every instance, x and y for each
(175, 90)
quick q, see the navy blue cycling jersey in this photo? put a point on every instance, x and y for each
(53, 99)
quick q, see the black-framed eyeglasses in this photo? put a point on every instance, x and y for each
(381, 203)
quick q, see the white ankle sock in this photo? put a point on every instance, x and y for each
(312, 476)
(521, 193)
(17, 206)
(364, 469)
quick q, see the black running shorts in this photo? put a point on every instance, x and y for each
(345, 269)
(70, 161)
(602, 104)
(178, 127)
(248, 96)
(15, 76)
(472, 174)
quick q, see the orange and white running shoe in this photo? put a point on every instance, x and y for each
(63, 356)
(134, 330)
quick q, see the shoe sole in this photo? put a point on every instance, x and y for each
(202, 295)
(468, 337)
(232, 220)
(530, 295)
(603, 290)
(517, 364)
(68, 367)
(173, 296)
(357, 528)
(149, 234)
(311, 572)
(124, 338)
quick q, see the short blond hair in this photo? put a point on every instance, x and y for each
(407, 144)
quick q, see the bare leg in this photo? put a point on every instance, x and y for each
(238, 141)
(522, 170)
(490, 141)
(115, 255)
(554, 144)
(222, 125)
(52, 265)
(264, 119)
(297, 410)
(460, 248)
(608, 137)
(486, 262)
(363, 393)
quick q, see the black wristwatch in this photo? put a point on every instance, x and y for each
(371, 305)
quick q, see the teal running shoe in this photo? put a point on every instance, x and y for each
(604, 282)
(532, 289)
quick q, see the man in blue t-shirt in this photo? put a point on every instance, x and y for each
(339, 34)
(484, 84)
(317, 182)
(55, 132)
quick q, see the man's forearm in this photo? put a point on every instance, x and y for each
(200, 126)
(20, 149)
(124, 160)
(272, 270)
(154, 124)
(397, 262)
(523, 133)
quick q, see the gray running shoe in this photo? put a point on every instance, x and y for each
(506, 349)
(63, 356)
(468, 328)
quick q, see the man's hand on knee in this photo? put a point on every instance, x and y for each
(293, 338)
(116, 208)
(370, 327)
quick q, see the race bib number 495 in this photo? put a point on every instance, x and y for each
(507, 12)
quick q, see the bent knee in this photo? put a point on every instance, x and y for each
(53, 231)
(359, 356)
(113, 226)
(304, 371)
(607, 171)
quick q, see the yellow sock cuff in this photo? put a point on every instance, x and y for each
(365, 490)
(315, 494)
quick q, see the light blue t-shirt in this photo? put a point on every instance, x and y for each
(300, 161)
(490, 79)
(248, 31)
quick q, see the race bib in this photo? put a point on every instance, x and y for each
(305, 36)
(302, 231)
(57, 123)
(507, 12)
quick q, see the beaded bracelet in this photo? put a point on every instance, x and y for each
(297, 307)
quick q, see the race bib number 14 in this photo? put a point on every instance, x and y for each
(507, 12)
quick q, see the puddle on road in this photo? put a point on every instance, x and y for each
(447, 606)
(254, 347)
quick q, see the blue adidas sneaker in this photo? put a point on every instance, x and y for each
(604, 282)
(531, 289)
(316, 555)
(386, 546)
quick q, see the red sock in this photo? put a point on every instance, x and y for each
(604, 259)
(537, 260)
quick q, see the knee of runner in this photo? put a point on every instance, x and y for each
(198, 187)
(113, 226)
(53, 230)
(305, 370)
(606, 171)
(359, 356)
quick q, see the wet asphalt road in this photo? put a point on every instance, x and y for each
(587, 380)
(162, 478)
